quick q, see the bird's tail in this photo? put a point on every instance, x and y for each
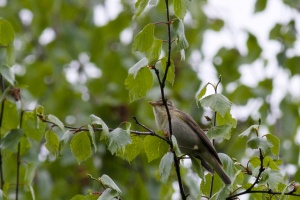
(220, 171)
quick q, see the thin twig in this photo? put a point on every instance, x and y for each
(1, 118)
(82, 129)
(18, 171)
(261, 170)
(150, 131)
(213, 141)
(19, 159)
(162, 86)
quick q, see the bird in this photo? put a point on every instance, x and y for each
(191, 139)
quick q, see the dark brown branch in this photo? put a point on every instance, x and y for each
(213, 141)
(261, 170)
(18, 171)
(150, 131)
(1, 118)
(162, 86)
(81, 129)
(19, 157)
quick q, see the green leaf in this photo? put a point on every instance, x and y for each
(269, 162)
(30, 188)
(10, 55)
(138, 66)
(78, 197)
(81, 146)
(25, 145)
(56, 121)
(201, 92)
(165, 166)
(272, 177)
(144, 39)
(7, 74)
(176, 147)
(228, 165)
(11, 139)
(97, 120)
(179, 8)
(250, 130)
(171, 70)
(140, 85)
(118, 139)
(132, 150)
(64, 140)
(196, 166)
(109, 183)
(108, 194)
(7, 33)
(32, 126)
(154, 52)
(92, 134)
(52, 142)
(128, 126)
(140, 6)
(178, 28)
(153, 2)
(205, 186)
(254, 50)
(39, 110)
(222, 131)
(217, 103)
(275, 142)
(30, 173)
(154, 147)
(216, 24)
(226, 119)
(11, 116)
(262, 143)
(223, 192)
(260, 5)
(255, 161)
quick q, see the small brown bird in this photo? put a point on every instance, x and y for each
(190, 137)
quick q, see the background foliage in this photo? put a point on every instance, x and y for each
(81, 71)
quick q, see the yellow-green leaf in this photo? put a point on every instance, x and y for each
(179, 8)
(52, 142)
(275, 142)
(165, 166)
(81, 146)
(144, 39)
(132, 150)
(154, 52)
(7, 33)
(154, 147)
(140, 6)
(217, 103)
(171, 70)
(140, 85)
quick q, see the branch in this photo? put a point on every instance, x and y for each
(82, 128)
(213, 141)
(1, 118)
(162, 86)
(150, 131)
(261, 169)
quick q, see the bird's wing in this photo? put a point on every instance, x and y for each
(193, 125)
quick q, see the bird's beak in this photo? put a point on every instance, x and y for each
(152, 103)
